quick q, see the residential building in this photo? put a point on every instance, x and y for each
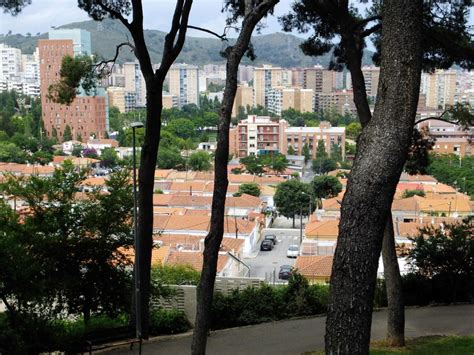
(243, 98)
(135, 82)
(117, 98)
(257, 135)
(86, 115)
(245, 73)
(315, 268)
(341, 101)
(10, 63)
(281, 99)
(170, 101)
(184, 83)
(439, 88)
(318, 79)
(371, 80)
(267, 77)
(297, 137)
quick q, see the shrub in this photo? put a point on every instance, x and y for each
(164, 321)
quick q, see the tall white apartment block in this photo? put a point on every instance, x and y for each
(184, 83)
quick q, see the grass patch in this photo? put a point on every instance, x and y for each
(429, 345)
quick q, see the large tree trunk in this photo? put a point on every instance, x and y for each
(393, 282)
(205, 290)
(382, 151)
(354, 47)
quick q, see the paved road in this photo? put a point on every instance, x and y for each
(298, 336)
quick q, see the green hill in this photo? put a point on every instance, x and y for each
(279, 49)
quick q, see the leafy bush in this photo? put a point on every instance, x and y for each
(164, 321)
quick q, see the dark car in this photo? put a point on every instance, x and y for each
(267, 245)
(285, 272)
(271, 237)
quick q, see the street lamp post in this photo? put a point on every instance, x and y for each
(136, 240)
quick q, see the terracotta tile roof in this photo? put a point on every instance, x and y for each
(181, 175)
(231, 189)
(200, 223)
(444, 205)
(12, 168)
(406, 204)
(194, 259)
(161, 174)
(204, 176)
(192, 242)
(94, 181)
(104, 141)
(162, 185)
(266, 190)
(161, 199)
(191, 186)
(158, 255)
(159, 210)
(328, 228)
(314, 265)
(417, 178)
(337, 171)
(58, 159)
(83, 161)
(269, 180)
(195, 212)
(38, 170)
(241, 178)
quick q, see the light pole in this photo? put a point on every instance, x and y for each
(136, 240)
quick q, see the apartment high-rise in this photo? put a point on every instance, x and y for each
(371, 80)
(439, 88)
(281, 99)
(86, 115)
(341, 101)
(319, 80)
(267, 77)
(135, 82)
(184, 83)
(10, 63)
(243, 98)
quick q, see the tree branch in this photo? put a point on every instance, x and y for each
(222, 37)
(371, 30)
(103, 63)
(115, 14)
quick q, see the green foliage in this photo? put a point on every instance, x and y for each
(76, 150)
(75, 72)
(212, 87)
(9, 152)
(323, 165)
(276, 162)
(240, 308)
(249, 189)
(170, 158)
(164, 321)
(325, 186)
(291, 150)
(411, 193)
(454, 171)
(200, 161)
(353, 130)
(336, 152)
(67, 135)
(252, 164)
(321, 150)
(446, 254)
(293, 197)
(306, 153)
(418, 154)
(175, 275)
(182, 128)
(66, 250)
(109, 157)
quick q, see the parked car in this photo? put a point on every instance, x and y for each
(293, 251)
(267, 245)
(271, 237)
(285, 272)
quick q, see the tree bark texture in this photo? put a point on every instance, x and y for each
(205, 290)
(353, 45)
(174, 42)
(393, 284)
(381, 154)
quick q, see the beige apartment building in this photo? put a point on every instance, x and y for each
(243, 98)
(439, 88)
(371, 80)
(135, 82)
(319, 80)
(267, 77)
(297, 137)
(184, 83)
(260, 135)
(342, 101)
(281, 99)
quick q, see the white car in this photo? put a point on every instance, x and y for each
(293, 251)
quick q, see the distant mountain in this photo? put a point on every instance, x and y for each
(279, 49)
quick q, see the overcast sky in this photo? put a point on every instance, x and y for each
(42, 14)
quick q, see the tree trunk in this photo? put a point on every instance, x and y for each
(382, 151)
(146, 181)
(205, 290)
(393, 284)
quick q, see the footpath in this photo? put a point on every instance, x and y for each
(302, 335)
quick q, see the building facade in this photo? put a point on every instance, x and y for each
(243, 98)
(184, 83)
(281, 99)
(86, 115)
